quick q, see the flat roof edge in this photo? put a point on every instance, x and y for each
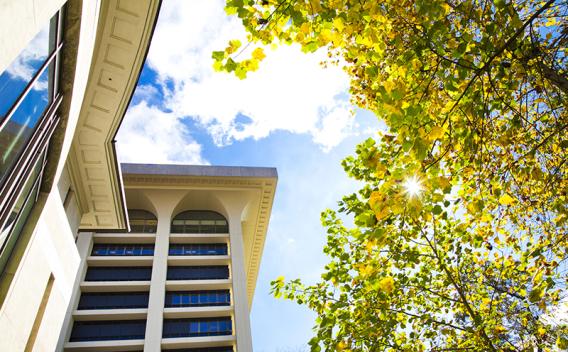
(198, 170)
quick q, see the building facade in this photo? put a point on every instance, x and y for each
(183, 278)
(68, 70)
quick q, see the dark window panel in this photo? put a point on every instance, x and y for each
(197, 327)
(104, 249)
(108, 330)
(142, 221)
(113, 300)
(199, 221)
(211, 272)
(198, 298)
(119, 273)
(198, 249)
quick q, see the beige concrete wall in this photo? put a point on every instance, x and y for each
(21, 21)
(51, 251)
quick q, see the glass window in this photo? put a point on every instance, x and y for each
(120, 273)
(199, 221)
(197, 298)
(104, 249)
(15, 78)
(108, 330)
(28, 90)
(18, 130)
(142, 221)
(197, 327)
(198, 249)
(19, 213)
(113, 300)
(211, 272)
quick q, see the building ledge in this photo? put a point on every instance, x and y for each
(120, 260)
(115, 286)
(179, 285)
(174, 260)
(105, 346)
(199, 238)
(198, 312)
(110, 314)
(195, 342)
(124, 237)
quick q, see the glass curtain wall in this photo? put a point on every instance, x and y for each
(29, 99)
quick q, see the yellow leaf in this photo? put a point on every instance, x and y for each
(436, 133)
(506, 199)
(258, 54)
(499, 329)
(341, 346)
(387, 284)
(338, 23)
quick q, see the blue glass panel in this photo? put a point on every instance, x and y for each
(14, 79)
(196, 327)
(122, 249)
(18, 130)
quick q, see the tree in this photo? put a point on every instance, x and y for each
(460, 238)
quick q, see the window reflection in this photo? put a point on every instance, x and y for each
(18, 130)
(29, 98)
(13, 81)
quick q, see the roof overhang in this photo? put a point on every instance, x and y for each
(257, 182)
(123, 37)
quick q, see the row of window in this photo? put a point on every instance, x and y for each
(197, 327)
(191, 221)
(113, 300)
(108, 330)
(136, 329)
(129, 300)
(104, 249)
(198, 249)
(144, 273)
(198, 298)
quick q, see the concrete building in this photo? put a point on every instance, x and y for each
(89, 262)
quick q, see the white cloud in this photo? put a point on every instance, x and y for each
(290, 91)
(151, 135)
(26, 64)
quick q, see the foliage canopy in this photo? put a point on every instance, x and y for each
(474, 94)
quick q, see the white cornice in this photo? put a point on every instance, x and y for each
(259, 218)
(123, 35)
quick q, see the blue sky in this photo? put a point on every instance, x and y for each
(292, 114)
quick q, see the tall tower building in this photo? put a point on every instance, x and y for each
(183, 278)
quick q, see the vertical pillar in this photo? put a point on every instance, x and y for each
(154, 323)
(84, 245)
(242, 318)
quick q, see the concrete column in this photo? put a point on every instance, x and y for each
(240, 299)
(155, 318)
(84, 246)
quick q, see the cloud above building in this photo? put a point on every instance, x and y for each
(290, 92)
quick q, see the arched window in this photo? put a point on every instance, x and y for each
(199, 221)
(142, 221)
